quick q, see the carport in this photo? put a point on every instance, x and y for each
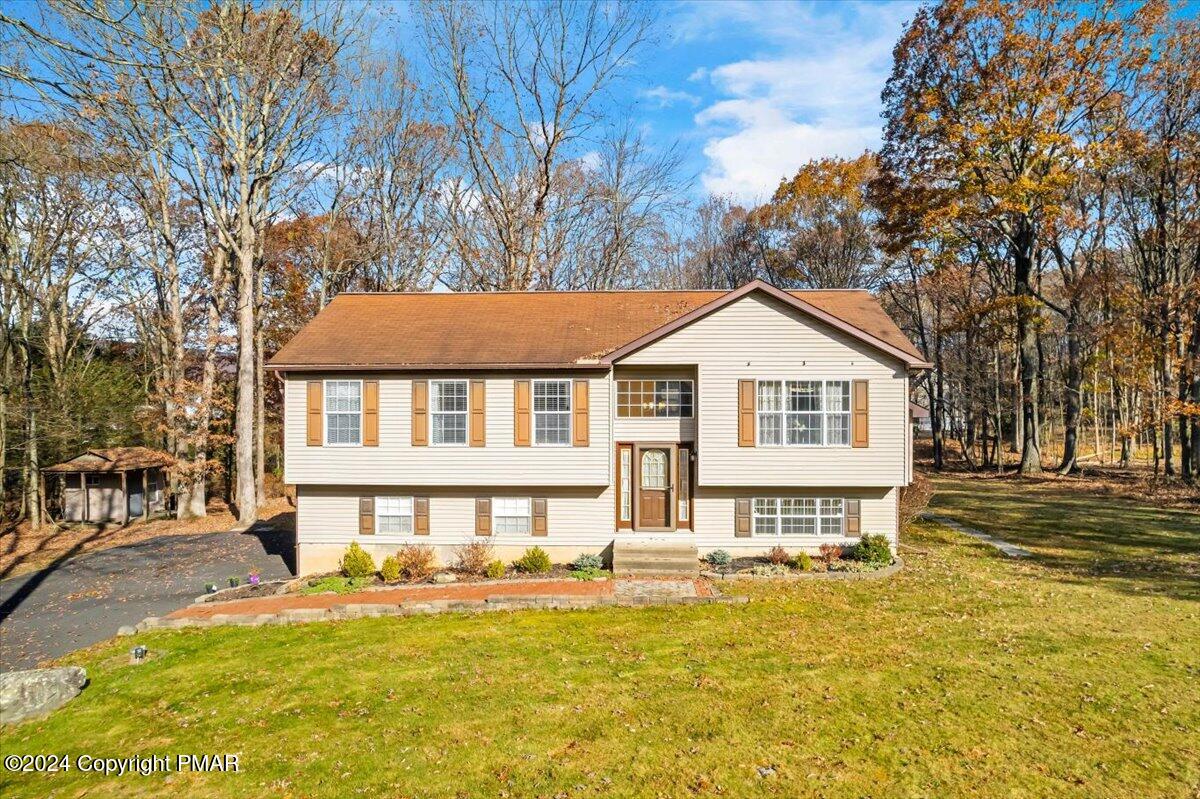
(112, 485)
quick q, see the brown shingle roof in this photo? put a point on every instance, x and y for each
(114, 459)
(529, 329)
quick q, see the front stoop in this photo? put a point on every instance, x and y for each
(668, 558)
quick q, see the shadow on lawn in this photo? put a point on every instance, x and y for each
(1124, 545)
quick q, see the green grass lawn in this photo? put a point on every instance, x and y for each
(965, 675)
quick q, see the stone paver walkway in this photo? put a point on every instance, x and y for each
(1009, 549)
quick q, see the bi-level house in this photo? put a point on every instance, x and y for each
(734, 420)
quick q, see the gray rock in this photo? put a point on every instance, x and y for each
(445, 577)
(36, 693)
(127, 629)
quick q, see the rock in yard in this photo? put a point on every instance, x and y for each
(126, 629)
(445, 577)
(36, 693)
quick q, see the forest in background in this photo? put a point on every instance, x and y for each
(182, 186)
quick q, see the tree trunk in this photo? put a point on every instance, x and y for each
(1027, 346)
(935, 414)
(246, 497)
(1072, 399)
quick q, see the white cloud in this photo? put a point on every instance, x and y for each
(814, 93)
(662, 97)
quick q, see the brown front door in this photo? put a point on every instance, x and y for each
(654, 488)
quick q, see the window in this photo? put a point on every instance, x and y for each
(552, 412)
(511, 514)
(155, 489)
(343, 412)
(448, 411)
(798, 516)
(804, 413)
(393, 514)
(626, 488)
(654, 469)
(685, 480)
(670, 399)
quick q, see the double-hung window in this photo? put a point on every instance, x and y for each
(798, 516)
(393, 515)
(801, 413)
(552, 412)
(448, 411)
(343, 412)
(511, 514)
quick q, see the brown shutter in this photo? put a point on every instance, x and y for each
(483, 516)
(478, 420)
(366, 515)
(421, 515)
(853, 516)
(579, 410)
(539, 516)
(420, 413)
(859, 397)
(745, 413)
(741, 518)
(370, 413)
(521, 413)
(316, 420)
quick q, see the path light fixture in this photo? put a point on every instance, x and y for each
(137, 655)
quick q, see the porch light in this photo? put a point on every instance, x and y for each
(137, 655)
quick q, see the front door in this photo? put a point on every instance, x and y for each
(654, 488)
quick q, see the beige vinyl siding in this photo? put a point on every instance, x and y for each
(396, 462)
(758, 337)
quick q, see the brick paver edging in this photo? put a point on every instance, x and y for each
(878, 574)
(416, 608)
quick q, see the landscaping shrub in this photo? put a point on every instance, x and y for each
(337, 584)
(475, 557)
(534, 561)
(587, 562)
(416, 561)
(802, 562)
(778, 555)
(718, 557)
(495, 569)
(390, 570)
(830, 553)
(357, 562)
(914, 498)
(872, 549)
(770, 570)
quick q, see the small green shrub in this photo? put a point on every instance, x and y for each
(718, 557)
(778, 556)
(356, 562)
(416, 561)
(339, 585)
(872, 549)
(495, 569)
(587, 562)
(390, 570)
(534, 561)
(770, 570)
(802, 562)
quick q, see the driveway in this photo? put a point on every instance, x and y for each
(85, 599)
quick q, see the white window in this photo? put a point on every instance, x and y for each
(552, 412)
(668, 399)
(448, 412)
(626, 487)
(804, 413)
(343, 412)
(511, 514)
(798, 516)
(393, 515)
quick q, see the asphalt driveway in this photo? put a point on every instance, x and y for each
(85, 599)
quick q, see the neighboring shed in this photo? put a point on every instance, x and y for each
(113, 485)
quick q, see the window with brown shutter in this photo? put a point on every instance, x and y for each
(741, 518)
(370, 413)
(860, 393)
(478, 421)
(540, 527)
(366, 515)
(483, 516)
(853, 516)
(316, 416)
(579, 408)
(420, 413)
(421, 515)
(521, 420)
(745, 413)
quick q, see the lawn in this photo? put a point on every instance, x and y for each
(1076, 674)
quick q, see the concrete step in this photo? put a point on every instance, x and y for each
(655, 557)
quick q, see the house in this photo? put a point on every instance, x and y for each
(112, 485)
(577, 421)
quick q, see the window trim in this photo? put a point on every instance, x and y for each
(691, 383)
(569, 412)
(496, 516)
(412, 514)
(466, 413)
(325, 412)
(818, 517)
(783, 412)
